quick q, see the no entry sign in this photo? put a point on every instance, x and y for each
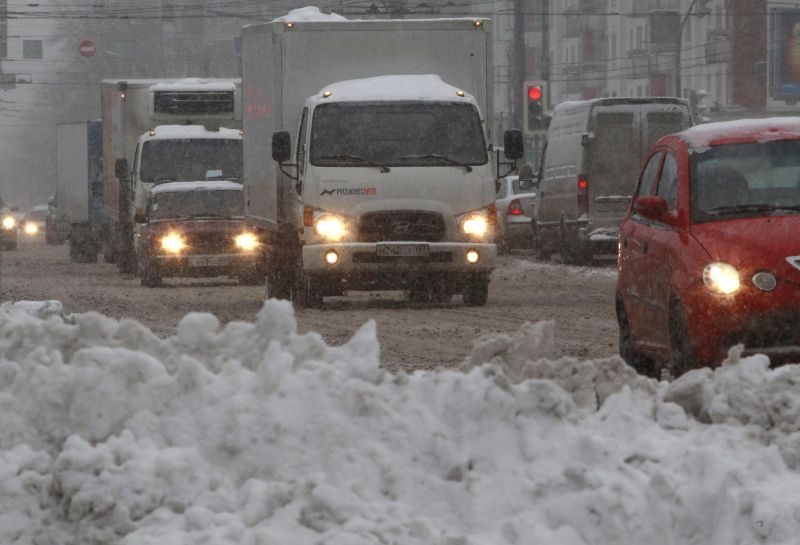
(87, 48)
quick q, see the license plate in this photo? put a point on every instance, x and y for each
(208, 260)
(403, 250)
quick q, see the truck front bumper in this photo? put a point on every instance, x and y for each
(404, 257)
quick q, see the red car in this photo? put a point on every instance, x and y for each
(709, 251)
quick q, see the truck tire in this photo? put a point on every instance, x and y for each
(151, 277)
(82, 252)
(251, 278)
(307, 292)
(573, 250)
(476, 292)
(419, 290)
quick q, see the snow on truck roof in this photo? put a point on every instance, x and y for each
(174, 132)
(176, 187)
(307, 14)
(194, 84)
(701, 137)
(399, 87)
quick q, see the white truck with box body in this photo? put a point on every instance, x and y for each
(386, 164)
(79, 187)
(167, 130)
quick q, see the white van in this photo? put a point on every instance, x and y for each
(589, 168)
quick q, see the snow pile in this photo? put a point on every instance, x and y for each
(254, 434)
(309, 14)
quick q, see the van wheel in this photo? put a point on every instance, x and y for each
(682, 358)
(627, 348)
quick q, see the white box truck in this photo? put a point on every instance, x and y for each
(166, 130)
(386, 164)
(79, 187)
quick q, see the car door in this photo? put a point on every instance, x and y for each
(635, 266)
(663, 256)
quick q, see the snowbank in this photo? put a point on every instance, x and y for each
(253, 434)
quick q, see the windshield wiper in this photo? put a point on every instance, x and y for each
(754, 207)
(359, 158)
(447, 160)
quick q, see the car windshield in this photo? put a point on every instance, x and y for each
(747, 179)
(397, 134)
(36, 215)
(191, 159)
(196, 204)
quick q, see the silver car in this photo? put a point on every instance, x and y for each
(515, 203)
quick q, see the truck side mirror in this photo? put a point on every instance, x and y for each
(512, 143)
(121, 168)
(526, 177)
(140, 218)
(281, 146)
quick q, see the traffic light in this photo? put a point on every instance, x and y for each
(535, 104)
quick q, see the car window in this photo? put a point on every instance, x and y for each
(647, 183)
(668, 181)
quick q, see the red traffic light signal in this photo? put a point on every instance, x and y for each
(535, 92)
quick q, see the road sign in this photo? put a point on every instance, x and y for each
(86, 48)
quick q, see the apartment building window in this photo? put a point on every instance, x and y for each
(612, 54)
(639, 37)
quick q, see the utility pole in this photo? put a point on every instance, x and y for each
(518, 65)
(702, 11)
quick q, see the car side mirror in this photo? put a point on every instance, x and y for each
(512, 144)
(121, 168)
(652, 207)
(281, 146)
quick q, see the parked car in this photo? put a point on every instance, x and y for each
(515, 202)
(9, 227)
(197, 229)
(35, 223)
(593, 153)
(709, 252)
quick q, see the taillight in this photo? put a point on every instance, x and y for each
(583, 195)
(515, 208)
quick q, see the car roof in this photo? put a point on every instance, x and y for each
(702, 137)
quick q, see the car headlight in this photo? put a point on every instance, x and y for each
(9, 223)
(330, 227)
(246, 241)
(721, 278)
(173, 243)
(476, 224)
(31, 228)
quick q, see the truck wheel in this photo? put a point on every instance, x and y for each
(307, 292)
(442, 290)
(573, 250)
(82, 252)
(627, 348)
(476, 292)
(151, 277)
(419, 291)
(251, 278)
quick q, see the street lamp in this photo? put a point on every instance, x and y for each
(702, 11)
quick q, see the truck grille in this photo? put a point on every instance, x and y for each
(193, 102)
(397, 226)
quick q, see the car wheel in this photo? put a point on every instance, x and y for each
(476, 292)
(682, 358)
(627, 347)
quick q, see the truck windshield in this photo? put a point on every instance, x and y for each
(191, 159)
(196, 204)
(397, 134)
(750, 179)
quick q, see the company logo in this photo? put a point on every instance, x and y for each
(350, 192)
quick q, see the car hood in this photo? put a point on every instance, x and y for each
(753, 244)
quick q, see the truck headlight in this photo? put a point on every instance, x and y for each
(246, 241)
(331, 227)
(173, 243)
(9, 223)
(31, 229)
(721, 278)
(476, 224)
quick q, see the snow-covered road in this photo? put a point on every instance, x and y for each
(578, 300)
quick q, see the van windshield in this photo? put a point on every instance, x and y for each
(752, 179)
(397, 134)
(191, 159)
(196, 204)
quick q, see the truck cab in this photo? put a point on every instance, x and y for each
(396, 188)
